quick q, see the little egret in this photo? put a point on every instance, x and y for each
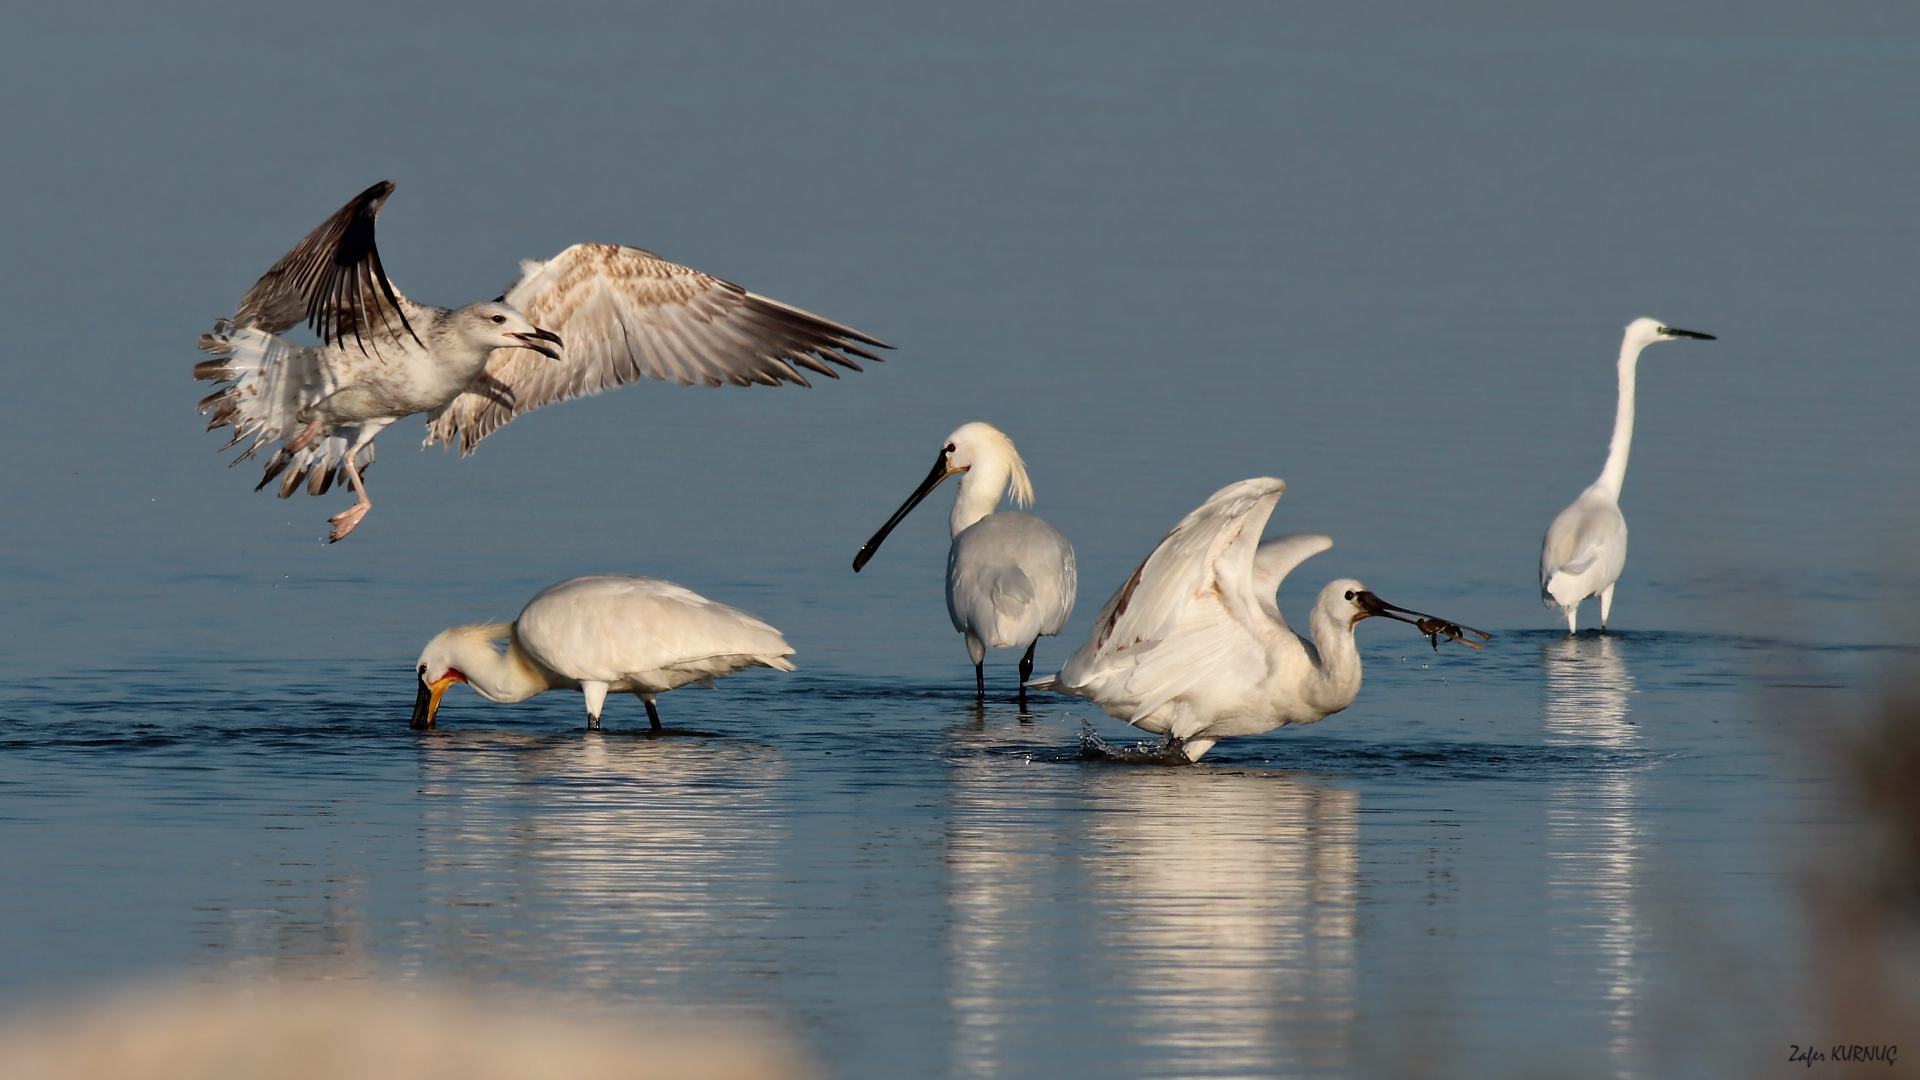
(1194, 647)
(1010, 577)
(605, 633)
(1586, 545)
(594, 317)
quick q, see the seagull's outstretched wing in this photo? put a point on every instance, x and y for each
(333, 281)
(1152, 638)
(626, 313)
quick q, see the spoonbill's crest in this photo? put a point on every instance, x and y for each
(1010, 576)
(1586, 546)
(1194, 647)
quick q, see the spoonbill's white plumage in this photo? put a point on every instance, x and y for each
(1194, 647)
(591, 318)
(1010, 576)
(1586, 546)
(607, 633)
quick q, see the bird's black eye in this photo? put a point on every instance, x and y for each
(423, 669)
(1349, 596)
(949, 448)
(499, 318)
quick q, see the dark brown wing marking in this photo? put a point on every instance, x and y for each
(333, 280)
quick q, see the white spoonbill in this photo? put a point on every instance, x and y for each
(1193, 646)
(605, 633)
(1586, 545)
(591, 318)
(1010, 577)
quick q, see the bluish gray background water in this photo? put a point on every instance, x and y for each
(1383, 251)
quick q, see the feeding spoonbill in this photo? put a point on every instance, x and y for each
(1586, 546)
(607, 633)
(1010, 576)
(1194, 647)
(594, 317)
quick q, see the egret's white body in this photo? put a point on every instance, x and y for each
(607, 633)
(620, 313)
(1010, 576)
(1586, 546)
(1194, 647)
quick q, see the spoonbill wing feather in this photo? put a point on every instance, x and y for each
(624, 314)
(1010, 578)
(1276, 558)
(611, 627)
(1208, 558)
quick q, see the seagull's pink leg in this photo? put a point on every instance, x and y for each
(345, 520)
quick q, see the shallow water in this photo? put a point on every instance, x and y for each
(1381, 250)
(1490, 857)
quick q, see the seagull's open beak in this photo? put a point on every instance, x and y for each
(941, 470)
(538, 342)
(426, 702)
(1429, 625)
(1674, 331)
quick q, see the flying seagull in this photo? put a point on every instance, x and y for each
(594, 317)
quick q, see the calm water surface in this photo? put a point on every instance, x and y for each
(1383, 250)
(1549, 852)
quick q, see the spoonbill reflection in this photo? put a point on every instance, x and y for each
(605, 633)
(1586, 545)
(1010, 576)
(622, 312)
(1193, 646)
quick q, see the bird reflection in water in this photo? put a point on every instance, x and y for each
(1227, 902)
(1215, 908)
(1593, 829)
(616, 864)
(1014, 893)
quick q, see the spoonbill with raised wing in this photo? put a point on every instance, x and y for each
(1586, 546)
(1194, 647)
(1010, 576)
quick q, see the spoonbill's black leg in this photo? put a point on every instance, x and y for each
(1026, 670)
(653, 714)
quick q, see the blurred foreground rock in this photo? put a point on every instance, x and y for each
(367, 1031)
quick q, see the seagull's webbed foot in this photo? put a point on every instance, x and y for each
(344, 521)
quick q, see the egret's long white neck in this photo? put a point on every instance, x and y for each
(980, 489)
(1336, 679)
(1614, 475)
(505, 678)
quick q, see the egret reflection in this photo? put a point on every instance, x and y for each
(1595, 842)
(1225, 905)
(627, 862)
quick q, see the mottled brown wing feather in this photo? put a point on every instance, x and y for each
(624, 314)
(332, 280)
